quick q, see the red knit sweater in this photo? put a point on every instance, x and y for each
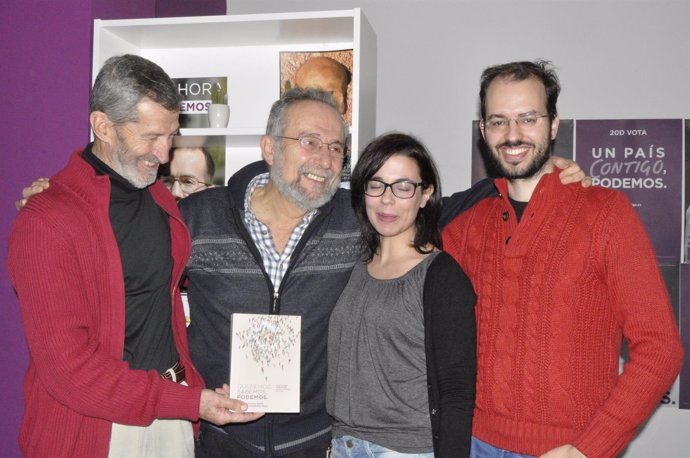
(65, 266)
(556, 293)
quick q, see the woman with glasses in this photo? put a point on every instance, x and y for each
(401, 348)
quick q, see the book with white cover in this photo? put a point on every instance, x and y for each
(265, 361)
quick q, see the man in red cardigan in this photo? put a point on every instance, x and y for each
(95, 261)
(561, 273)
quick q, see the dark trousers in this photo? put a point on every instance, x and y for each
(216, 444)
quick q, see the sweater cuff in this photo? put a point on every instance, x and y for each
(179, 401)
(598, 440)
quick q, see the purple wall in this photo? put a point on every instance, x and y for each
(46, 60)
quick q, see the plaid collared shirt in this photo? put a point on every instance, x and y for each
(275, 263)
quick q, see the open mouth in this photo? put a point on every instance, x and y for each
(386, 217)
(150, 163)
(314, 177)
(514, 153)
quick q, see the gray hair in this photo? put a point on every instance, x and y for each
(276, 119)
(124, 81)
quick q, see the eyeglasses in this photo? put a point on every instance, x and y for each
(523, 121)
(188, 184)
(314, 144)
(402, 189)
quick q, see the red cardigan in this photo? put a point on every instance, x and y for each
(555, 295)
(65, 266)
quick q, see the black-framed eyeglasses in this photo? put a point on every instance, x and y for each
(313, 144)
(523, 121)
(402, 189)
(188, 184)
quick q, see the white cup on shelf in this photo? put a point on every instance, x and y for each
(218, 115)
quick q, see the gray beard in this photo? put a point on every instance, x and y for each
(129, 171)
(292, 191)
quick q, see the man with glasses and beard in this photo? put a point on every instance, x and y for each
(278, 242)
(189, 170)
(561, 273)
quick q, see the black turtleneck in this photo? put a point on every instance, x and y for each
(142, 232)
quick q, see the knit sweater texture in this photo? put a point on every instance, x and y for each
(65, 266)
(556, 295)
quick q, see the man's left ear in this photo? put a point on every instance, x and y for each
(555, 122)
(102, 127)
(267, 148)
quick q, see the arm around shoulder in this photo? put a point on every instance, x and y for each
(464, 200)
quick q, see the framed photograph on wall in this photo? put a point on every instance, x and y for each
(327, 70)
(195, 95)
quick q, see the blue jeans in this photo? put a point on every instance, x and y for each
(351, 447)
(481, 449)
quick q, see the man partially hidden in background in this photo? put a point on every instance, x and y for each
(190, 170)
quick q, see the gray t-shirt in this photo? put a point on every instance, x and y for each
(377, 381)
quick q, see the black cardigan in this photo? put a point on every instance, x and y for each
(451, 359)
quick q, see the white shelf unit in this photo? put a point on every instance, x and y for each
(246, 49)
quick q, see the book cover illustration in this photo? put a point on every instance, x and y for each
(265, 361)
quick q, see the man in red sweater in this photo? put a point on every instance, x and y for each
(95, 261)
(562, 273)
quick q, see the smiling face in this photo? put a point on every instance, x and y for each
(138, 148)
(306, 179)
(392, 216)
(519, 151)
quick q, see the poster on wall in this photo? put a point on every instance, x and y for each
(684, 389)
(671, 275)
(686, 213)
(330, 71)
(196, 95)
(207, 149)
(644, 159)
